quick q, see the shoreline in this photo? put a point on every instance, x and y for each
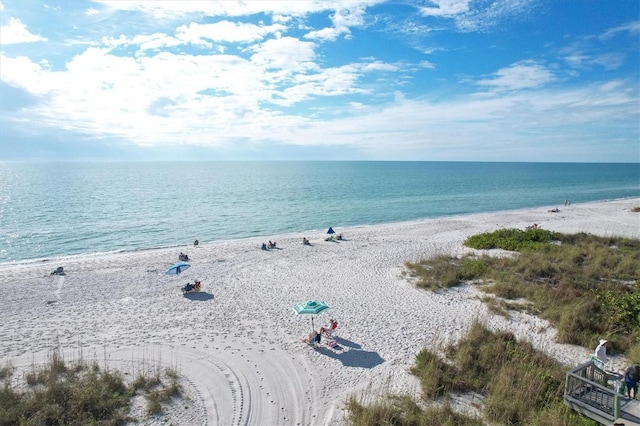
(81, 256)
(237, 345)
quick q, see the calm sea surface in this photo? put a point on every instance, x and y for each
(50, 210)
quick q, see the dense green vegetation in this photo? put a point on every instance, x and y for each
(587, 286)
(520, 386)
(79, 394)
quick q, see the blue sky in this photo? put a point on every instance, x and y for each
(433, 80)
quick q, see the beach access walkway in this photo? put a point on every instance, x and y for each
(587, 391)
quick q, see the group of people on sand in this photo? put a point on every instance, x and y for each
(631, 375)
(183, 256)
(305, 241)
(191, 287)
(268, 246)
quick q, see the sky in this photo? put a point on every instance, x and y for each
(421, 80)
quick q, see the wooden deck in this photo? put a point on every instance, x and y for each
(591, 391)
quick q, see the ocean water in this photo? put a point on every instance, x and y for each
(49, 210)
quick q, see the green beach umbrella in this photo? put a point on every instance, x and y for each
(310, 307)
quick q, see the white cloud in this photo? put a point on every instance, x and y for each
(168, 9)
(326, 34)
(609, 61)
(22, 72)
(16, 32)
(445, 8)
(427, 64)
(522, 75)
(342, 20)
(380, 66)
(475, 16)
(632, 27)
(92, 12)
(226, 31)
(286, 53)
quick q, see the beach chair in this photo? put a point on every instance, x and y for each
(330, 329)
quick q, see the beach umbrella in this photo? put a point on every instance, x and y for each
(331, 231)
(176, 268)
(310, 307)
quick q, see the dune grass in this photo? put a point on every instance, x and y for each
(79, 393)
(519, 386)
(404, 411)
(588, 287)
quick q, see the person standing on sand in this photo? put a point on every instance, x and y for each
(631, 377)
(601, 351)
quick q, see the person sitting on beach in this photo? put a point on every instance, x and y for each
(197, 286)
(554, 210)
(183, 256)
(534, 226)
(305, 241)
(339, 237)
(187, 288)
(58, 271)
(329, 329)
(264, 246)
(271, 245)
(310, 337)
(333, 324)
(196, 242)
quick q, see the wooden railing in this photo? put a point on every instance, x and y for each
(586, 391)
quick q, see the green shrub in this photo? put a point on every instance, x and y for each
(76, 394)
(581, 283)
(511, 239)
(520, 385)
(403, 411)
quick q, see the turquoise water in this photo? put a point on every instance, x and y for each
(55, 209)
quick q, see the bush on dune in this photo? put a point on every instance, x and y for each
(586, 286)
(519, 385)
(61, 393)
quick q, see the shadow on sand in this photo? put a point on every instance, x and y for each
(350, 354)
(348, 343)
(201, 296)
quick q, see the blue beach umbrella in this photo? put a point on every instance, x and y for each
(176, 268)
(310, 307)
(331, 231)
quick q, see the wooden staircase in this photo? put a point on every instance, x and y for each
(592, 392)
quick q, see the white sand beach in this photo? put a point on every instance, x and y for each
(237, 344)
